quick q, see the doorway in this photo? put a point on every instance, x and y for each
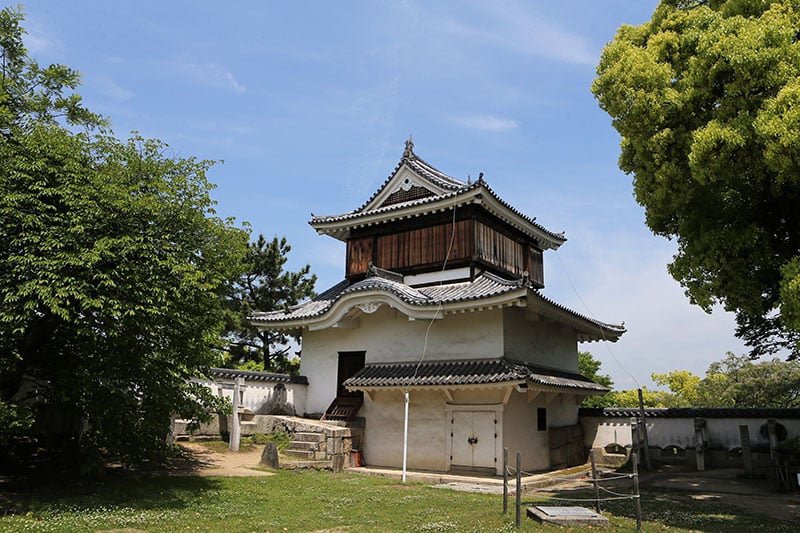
(349, 364)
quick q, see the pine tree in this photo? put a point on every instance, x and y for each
(265, 286)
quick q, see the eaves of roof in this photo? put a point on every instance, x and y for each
(339, 226)
(690, 412)
(232, 373)
(486, 291)
(468, 372)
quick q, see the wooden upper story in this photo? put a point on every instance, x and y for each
(423, 221)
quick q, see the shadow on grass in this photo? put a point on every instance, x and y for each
(133, 492)
(680, 510)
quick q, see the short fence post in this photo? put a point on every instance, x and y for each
(236, 428)
(505, 480)
(747, 451)
(519, 488)
(596, 484)
(636, 497)
(700, 443)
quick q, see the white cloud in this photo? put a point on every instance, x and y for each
(486, 123)
(511, 26)
(210, 74)
(625, 279)
(111, 89)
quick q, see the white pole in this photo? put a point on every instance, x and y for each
(405, 439)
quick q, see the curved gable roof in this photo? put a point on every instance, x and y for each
(381, 287)
(430, 190)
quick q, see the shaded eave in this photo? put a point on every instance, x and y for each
(478, 193)
(470, 374)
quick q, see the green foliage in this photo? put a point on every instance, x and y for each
(281, 439)
(735, 381)
(630, 398)
(705, 97)
(589, 367)
(264, 286)
(112, 265)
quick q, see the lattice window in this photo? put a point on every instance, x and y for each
(413, 193)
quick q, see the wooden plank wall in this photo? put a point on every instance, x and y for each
(496, 249)
(424, 249)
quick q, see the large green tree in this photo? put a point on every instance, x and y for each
(265, 285)
(734, 381)
(589, 367)
(112, 265)
(706, 98)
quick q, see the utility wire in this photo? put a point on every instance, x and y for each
(589, 311)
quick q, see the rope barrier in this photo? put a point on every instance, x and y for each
(594, 481)
(627, 497)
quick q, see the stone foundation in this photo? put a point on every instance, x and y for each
(566, 446)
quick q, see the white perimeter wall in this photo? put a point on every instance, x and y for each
(259, 393)
(720, 433)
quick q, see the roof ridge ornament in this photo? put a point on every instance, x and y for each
(408, 152)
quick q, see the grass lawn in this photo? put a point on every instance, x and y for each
(313, 501)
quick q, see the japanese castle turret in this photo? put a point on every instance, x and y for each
(442, 297)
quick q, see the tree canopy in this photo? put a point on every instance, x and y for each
(734, 381)
(112, 266)
(706, 98)
(264, 286)
(589, 367)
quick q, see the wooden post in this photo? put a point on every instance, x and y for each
(747, 452)
(505, 480)
(699, 443)
(643, 430)
(635, 439)
(236, 429)
(773, 452)
(596, 484)
(636, 493)
(519, 489)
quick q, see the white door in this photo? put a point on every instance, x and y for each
(473, 436)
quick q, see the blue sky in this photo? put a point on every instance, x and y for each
(309, 103)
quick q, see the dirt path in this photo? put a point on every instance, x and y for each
(205, 462)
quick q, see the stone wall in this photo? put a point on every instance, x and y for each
(566, 446)
(340, 438)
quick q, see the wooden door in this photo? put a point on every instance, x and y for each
(473, 439)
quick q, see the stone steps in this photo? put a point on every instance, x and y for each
(315, 465)
(308, 446)
(305, 436)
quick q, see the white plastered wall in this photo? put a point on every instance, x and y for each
(520, 433)
(389, 336)
(531, 339)
(427, 429)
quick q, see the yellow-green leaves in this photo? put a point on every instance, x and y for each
(706, 97)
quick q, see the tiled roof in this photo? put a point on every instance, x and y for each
(421, 167)
(465, 372)
(689, 412)
(455, 190)
(485, 286)
(231, 373)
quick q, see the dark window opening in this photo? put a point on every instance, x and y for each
(541, 419)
